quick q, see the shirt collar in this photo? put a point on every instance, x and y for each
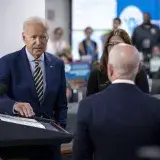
(31, 58)
(123, 81)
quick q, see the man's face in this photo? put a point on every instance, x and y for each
(88, 33)
(35, 37)
(146, 18)
(58, 34)
(116, 24)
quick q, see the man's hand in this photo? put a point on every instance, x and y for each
(24, 109)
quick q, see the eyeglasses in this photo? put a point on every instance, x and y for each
(112, 44)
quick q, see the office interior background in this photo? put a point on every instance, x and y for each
(73, 16)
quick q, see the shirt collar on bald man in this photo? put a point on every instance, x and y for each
(123, 81)
(31, 58)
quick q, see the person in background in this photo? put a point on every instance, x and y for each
(155, 63)
(98, 79)
(69, 91)
(88, 46)
(120, 121)
(116, 25)
(36, 82)
(156, 51)
(64, 57)
(57, 44)
(146, 36)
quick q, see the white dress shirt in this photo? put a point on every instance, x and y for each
(123, 81)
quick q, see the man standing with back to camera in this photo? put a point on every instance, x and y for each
(35, 79)
(115, 123)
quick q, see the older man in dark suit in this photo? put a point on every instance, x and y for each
(117, 122)
(35, 79)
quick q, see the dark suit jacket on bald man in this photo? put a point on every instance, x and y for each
(115, 123)
(15, 72)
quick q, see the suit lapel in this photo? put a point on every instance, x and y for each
(49, 71)
(26, 71)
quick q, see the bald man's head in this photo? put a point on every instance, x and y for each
(123, 62)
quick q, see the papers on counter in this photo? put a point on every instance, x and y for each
(22, 121)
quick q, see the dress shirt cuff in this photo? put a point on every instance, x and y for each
(14, 112)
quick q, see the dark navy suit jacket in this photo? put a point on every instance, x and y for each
(115, 123)
(15, 72)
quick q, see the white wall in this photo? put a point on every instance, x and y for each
(12, 15)
(61, 15)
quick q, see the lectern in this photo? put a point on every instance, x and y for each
(20, 137)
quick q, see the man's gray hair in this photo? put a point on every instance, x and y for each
(33, 20)
(126, 60)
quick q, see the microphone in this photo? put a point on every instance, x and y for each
(3, 89)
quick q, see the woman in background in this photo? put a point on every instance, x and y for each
(88, 46)
(98, 79)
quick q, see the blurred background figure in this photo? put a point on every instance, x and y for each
(146, 36)
(88, 47)
(154, 63)
(57, 44)
(116, 25)
(64, 57)
(69, 91)
(156, 51)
